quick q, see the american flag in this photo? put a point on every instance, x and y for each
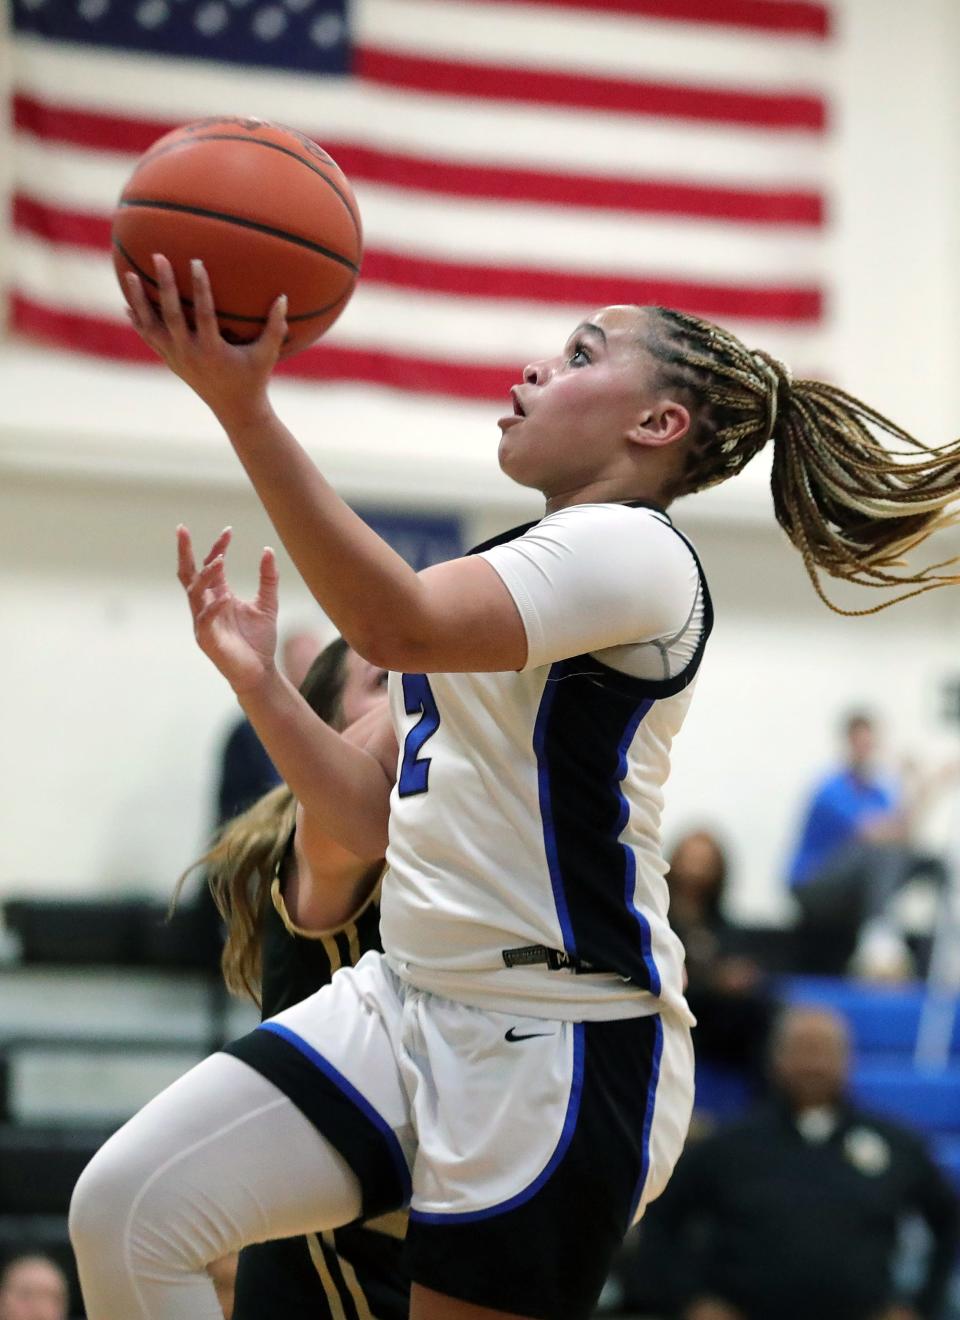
(517, 164)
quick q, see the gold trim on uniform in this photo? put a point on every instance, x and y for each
(276, 894)
(326, 1278)
(351, 1280)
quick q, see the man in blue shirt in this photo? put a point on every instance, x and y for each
(854, 853)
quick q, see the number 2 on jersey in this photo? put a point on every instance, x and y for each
(414, 768)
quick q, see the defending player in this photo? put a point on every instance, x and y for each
(518, 1063)
(297, 908)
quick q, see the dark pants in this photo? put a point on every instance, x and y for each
(856, 885)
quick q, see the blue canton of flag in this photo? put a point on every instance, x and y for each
(311, 35)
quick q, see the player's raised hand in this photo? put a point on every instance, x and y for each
(230, 378)
(239, 636)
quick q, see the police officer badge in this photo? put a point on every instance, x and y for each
(867, 1151)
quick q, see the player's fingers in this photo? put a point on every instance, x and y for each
(219, 546)
(171, 307)
(186, 565)
(210, 576)
(269, 582)
(204, 308)
(270, 343)
(142, 315)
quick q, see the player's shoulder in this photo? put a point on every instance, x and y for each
(615, 520)
(627, 527)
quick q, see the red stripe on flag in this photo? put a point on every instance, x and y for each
(790, 17)
(497, 82)
(792, 303)
(592, 289)
(94, 130)
(541, 187)
(102, 132)
(111, 339)
(55, 225)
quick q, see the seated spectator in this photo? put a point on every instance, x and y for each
(854, 853)
(793, 1212)
(725, 990)
(33, 1288)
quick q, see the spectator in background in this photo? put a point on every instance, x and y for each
(246, 771)
(854, 853)
(793, 1212)
(725, 989)
(33, 1288)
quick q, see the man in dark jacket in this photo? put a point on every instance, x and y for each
(793, 1213)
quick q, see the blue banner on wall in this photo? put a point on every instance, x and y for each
(421, 539)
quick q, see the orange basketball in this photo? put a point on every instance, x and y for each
(267, 211)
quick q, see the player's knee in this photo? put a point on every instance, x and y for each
(98, 1208)
(119, 1209)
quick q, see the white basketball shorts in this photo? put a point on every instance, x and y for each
(525, 1147)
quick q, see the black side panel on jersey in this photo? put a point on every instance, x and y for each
(584, 729)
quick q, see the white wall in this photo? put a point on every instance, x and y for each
(111, 718)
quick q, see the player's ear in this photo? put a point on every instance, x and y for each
(662, 423)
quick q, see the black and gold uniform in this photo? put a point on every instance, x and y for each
(351, 1273)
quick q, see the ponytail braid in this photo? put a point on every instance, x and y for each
(852, 507)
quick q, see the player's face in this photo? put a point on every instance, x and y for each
(364, 687)
(572, 413)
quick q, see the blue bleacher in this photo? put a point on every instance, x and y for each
(883, 1020)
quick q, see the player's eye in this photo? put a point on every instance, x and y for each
(579, 356)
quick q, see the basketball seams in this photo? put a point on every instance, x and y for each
(228, 316)
(182, 208)
(155, 153)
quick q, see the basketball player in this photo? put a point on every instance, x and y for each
(517, 1065)
(296, 909)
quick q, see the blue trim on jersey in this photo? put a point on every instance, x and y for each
(630, 866)
(562, 1146)
(648, 1116)
(352, 1094)
(540, 731)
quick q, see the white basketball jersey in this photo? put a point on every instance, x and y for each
(525, 871)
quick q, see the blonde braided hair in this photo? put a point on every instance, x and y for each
(852, 507)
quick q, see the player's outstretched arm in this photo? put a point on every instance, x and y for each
(344, 784)
(460, 619)
(329, 884)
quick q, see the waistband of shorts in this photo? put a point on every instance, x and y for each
(536, 991)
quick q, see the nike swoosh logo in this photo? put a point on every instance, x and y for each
(512, 1035)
